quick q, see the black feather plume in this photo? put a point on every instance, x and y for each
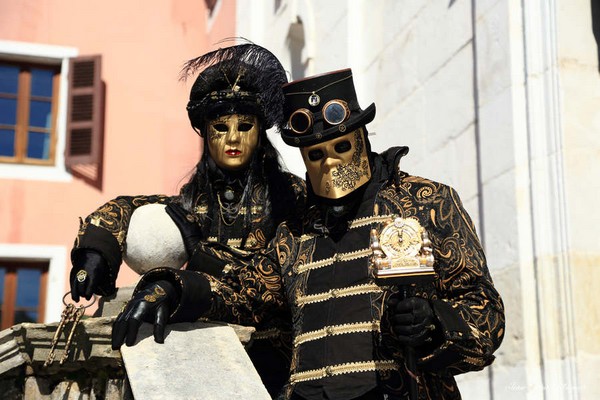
(241, 78)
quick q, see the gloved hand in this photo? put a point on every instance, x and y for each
(90, 271)
(153, 304)
(190, 230)
(412, 320)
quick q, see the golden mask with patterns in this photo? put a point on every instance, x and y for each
(338, 166)
(232, 140)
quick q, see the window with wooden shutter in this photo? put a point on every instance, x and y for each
(28, 103)
(85, 121)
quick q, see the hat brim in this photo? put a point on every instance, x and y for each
(355, 121)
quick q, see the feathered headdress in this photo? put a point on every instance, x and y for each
(241, 79)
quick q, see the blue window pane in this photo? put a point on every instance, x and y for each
(28, 295)
(9, 79)
(38, 145)
(41, 82)
(8, 111)
(7, 143)
(40, 114)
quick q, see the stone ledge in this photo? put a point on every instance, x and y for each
(92, 369)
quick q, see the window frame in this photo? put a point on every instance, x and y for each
(57, 259)
(52, 56)
(8, 306)
(22, 127)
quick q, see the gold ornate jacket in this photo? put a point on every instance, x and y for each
(105, 231)
(343, 346)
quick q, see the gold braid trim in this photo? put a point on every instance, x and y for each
(336, 258)
(253, 210)
(357, 223)
(474, 361)
(235, 242)
(334, 293)
(347, 368)
(266, 334)
(306, 237)
(332, 330)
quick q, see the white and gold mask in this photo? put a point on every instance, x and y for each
(338, 166)
(232, 140)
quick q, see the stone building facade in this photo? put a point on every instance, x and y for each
(499, 99)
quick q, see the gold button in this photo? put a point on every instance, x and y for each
(335, 292)
(328, 371)
(329, 330)
(337, 257)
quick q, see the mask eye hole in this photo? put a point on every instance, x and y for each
(220, 127)
(343, 147)
(245, 127)
(315, 155)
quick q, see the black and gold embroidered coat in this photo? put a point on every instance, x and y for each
(105, 231)
(343, 346)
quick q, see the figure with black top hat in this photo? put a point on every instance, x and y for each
(236, 197)
(387, 282)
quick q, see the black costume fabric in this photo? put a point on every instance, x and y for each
(343, 347)
(240, 209)
(105, 231)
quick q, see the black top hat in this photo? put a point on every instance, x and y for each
(321, 108)
(241, 79)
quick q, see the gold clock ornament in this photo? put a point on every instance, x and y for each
(402, 253)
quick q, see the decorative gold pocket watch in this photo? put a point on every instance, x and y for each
(402, 253)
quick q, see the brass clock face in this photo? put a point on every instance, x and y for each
(401, 238)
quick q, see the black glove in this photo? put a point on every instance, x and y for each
(153, 304)
(190, 230)
(89, 274)
(412, 320)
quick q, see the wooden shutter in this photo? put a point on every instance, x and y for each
(85, 128)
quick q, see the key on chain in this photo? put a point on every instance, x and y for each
(76, 316)
(64, 318)
(70, 314)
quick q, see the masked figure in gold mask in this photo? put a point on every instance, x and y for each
(357, 333)
(236, 197)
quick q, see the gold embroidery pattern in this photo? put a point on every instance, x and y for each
(346, 176)
(333, 330)
(335, 293)
(329, 261)
(114, 215)
(376, 219)
(348, 368)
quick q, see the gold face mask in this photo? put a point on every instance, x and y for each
(339, 166)
(232, 140)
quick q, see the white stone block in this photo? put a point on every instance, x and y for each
(153, 240)
(443, 29)
(449, 99)
(496, 133)
(206, 363)
(493, 52)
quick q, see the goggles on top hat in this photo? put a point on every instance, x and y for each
(334, 112)
(321, 108)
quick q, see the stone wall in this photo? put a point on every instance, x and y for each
(94, 371)
(498, 99)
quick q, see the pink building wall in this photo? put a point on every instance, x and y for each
(149, 146)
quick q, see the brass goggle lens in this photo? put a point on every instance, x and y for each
(334, 113)
(301, 121)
